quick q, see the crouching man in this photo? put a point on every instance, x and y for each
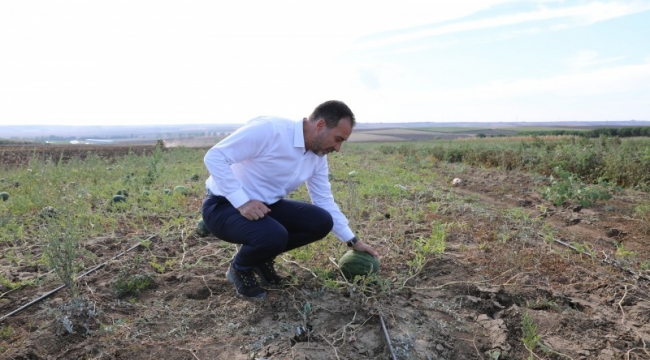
(251, 173)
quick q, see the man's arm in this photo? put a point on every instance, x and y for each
(245, 143)
(320, 192)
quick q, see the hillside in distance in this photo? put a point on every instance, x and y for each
(44, 132)
(64, 132)
(502, 125)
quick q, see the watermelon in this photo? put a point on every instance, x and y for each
(167, 191)
(4, 196)
(119, 198)
(358, 263)
(202, 229)
(48, 212)
(180, 189)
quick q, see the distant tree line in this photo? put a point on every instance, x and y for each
(615, 132)
(14, 142)
(165, 135)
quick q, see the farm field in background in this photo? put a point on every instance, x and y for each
(541, 252)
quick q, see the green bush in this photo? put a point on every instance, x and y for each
(566, 187)
(132, 285)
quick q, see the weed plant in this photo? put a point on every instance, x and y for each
(530, 337)
(568, 187)
(77, 316)
(132, 284)
(623, 162)
(60, 251)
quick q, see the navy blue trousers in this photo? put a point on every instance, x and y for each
(289, 225)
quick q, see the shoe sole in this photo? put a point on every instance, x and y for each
(232, 281)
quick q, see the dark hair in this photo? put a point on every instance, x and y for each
(332, 111)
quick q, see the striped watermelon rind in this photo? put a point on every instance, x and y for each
(358, 263)
(119, 198)
(202, 229)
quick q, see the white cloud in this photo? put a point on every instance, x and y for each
(579, 15)
(589, 95)
(589, 58)
(629, 78)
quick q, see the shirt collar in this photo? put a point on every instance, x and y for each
(299, 136)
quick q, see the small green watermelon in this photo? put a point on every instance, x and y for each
(4, 196)
(48, 212)
(354, 263)
(119, 198)
(202, 229)
(181, 190)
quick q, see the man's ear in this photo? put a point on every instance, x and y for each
(321, 124)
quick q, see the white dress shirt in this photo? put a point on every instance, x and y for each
(266, 160)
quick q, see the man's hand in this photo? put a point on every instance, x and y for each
(359, 246)
(253, 210)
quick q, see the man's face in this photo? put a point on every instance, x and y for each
(327, 140)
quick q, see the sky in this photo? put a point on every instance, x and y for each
(172, 62)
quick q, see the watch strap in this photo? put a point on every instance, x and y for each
(352, 241)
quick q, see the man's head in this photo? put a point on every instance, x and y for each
(332, 112)
(328, 126)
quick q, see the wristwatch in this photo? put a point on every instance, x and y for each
(352, 241)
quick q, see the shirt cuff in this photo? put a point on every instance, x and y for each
(238, 198)
(345, 235)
